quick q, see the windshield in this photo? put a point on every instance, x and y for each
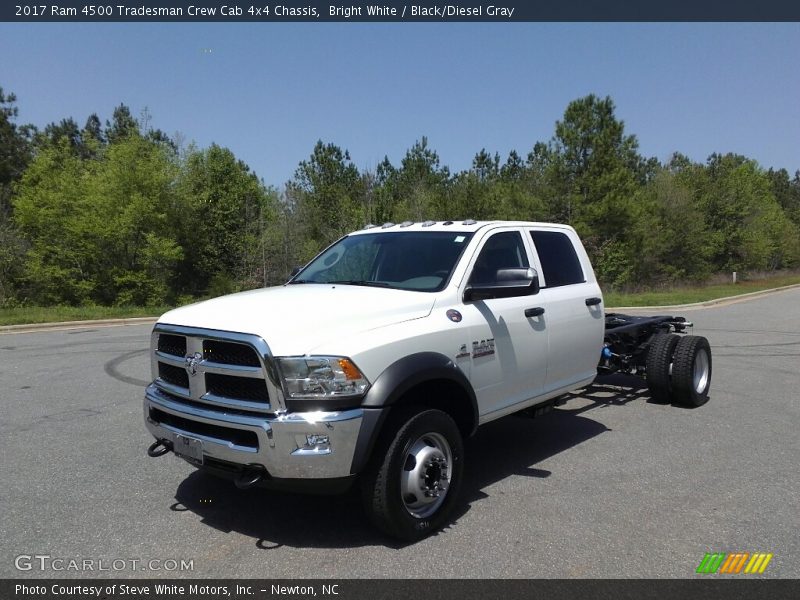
(406, 260)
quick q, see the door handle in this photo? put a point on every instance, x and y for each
(534, 312)
(593, 301)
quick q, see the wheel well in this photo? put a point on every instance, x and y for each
(445, 395)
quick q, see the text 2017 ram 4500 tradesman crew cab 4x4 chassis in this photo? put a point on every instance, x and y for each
(382, 354)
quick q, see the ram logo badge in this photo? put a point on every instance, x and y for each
(192, 360)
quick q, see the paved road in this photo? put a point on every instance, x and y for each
(610, 485)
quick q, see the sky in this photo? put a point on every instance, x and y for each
(269, 91)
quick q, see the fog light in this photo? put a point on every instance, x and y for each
(314, 440)
(311, 444)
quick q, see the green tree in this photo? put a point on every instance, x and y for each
(520, 193)
(597, 171)
(225, 211)
(100, 231)
(786, 192)
(419, 187)
(15, 149)
(92, 137)
(514, 167)
(746, 227)
(469, 193)
(49, 207)
(15, 153)
(85, 143)
(64, 129)
(379, 194)
(670, 236)
(135, 191)
(122, 124)
(328, 192)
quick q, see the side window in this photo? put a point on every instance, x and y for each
(560, 263)
(504, 250)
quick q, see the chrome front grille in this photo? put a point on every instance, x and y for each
(230, 353)
(172, 344)
(217, 368)
(173, 375)
(254, 390)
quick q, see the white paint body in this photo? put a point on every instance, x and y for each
(535, 359)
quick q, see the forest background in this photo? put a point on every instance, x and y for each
(119, 214)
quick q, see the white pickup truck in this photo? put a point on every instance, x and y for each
(376, 359)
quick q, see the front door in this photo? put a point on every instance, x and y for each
(508, 349)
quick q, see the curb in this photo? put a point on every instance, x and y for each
(25, 328)
(710, 303)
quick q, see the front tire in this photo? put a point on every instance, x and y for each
(412, 483)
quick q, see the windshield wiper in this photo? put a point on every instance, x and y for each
(293, 281)
(361, 282)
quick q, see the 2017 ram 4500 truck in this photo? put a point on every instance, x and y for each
(383, 353)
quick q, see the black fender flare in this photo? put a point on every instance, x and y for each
(389, 390)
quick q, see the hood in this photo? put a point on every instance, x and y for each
(295, 319)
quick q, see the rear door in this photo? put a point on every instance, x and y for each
(574, 307)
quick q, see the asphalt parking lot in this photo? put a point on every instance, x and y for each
(609, 485)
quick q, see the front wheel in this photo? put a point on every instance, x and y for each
(410, 489)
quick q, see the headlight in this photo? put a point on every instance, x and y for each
(321, 377)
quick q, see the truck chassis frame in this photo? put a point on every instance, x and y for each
(676, 366)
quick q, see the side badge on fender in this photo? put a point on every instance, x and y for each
(454, 316)
(483, 348)
(463, 352)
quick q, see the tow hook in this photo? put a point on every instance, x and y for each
(159, 448)
(249, 476)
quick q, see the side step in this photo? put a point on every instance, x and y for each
(539, 410)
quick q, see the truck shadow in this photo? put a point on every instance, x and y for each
(608, 390)
(511, 446)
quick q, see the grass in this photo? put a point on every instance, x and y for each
(684, 295)
(51, 314)
(700, 293)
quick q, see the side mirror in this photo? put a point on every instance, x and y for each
(507, 283)
(295, 271)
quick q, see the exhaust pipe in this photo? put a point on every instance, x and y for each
(250, 476)
(159, 448)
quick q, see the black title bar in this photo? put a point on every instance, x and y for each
(393, 11)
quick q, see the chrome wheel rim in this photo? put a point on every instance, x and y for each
(425, 477)
(701, 371)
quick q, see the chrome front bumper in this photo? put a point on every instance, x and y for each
(302, 445)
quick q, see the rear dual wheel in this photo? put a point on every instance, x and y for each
(691, 371)
(679, 369)
(659, 366)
